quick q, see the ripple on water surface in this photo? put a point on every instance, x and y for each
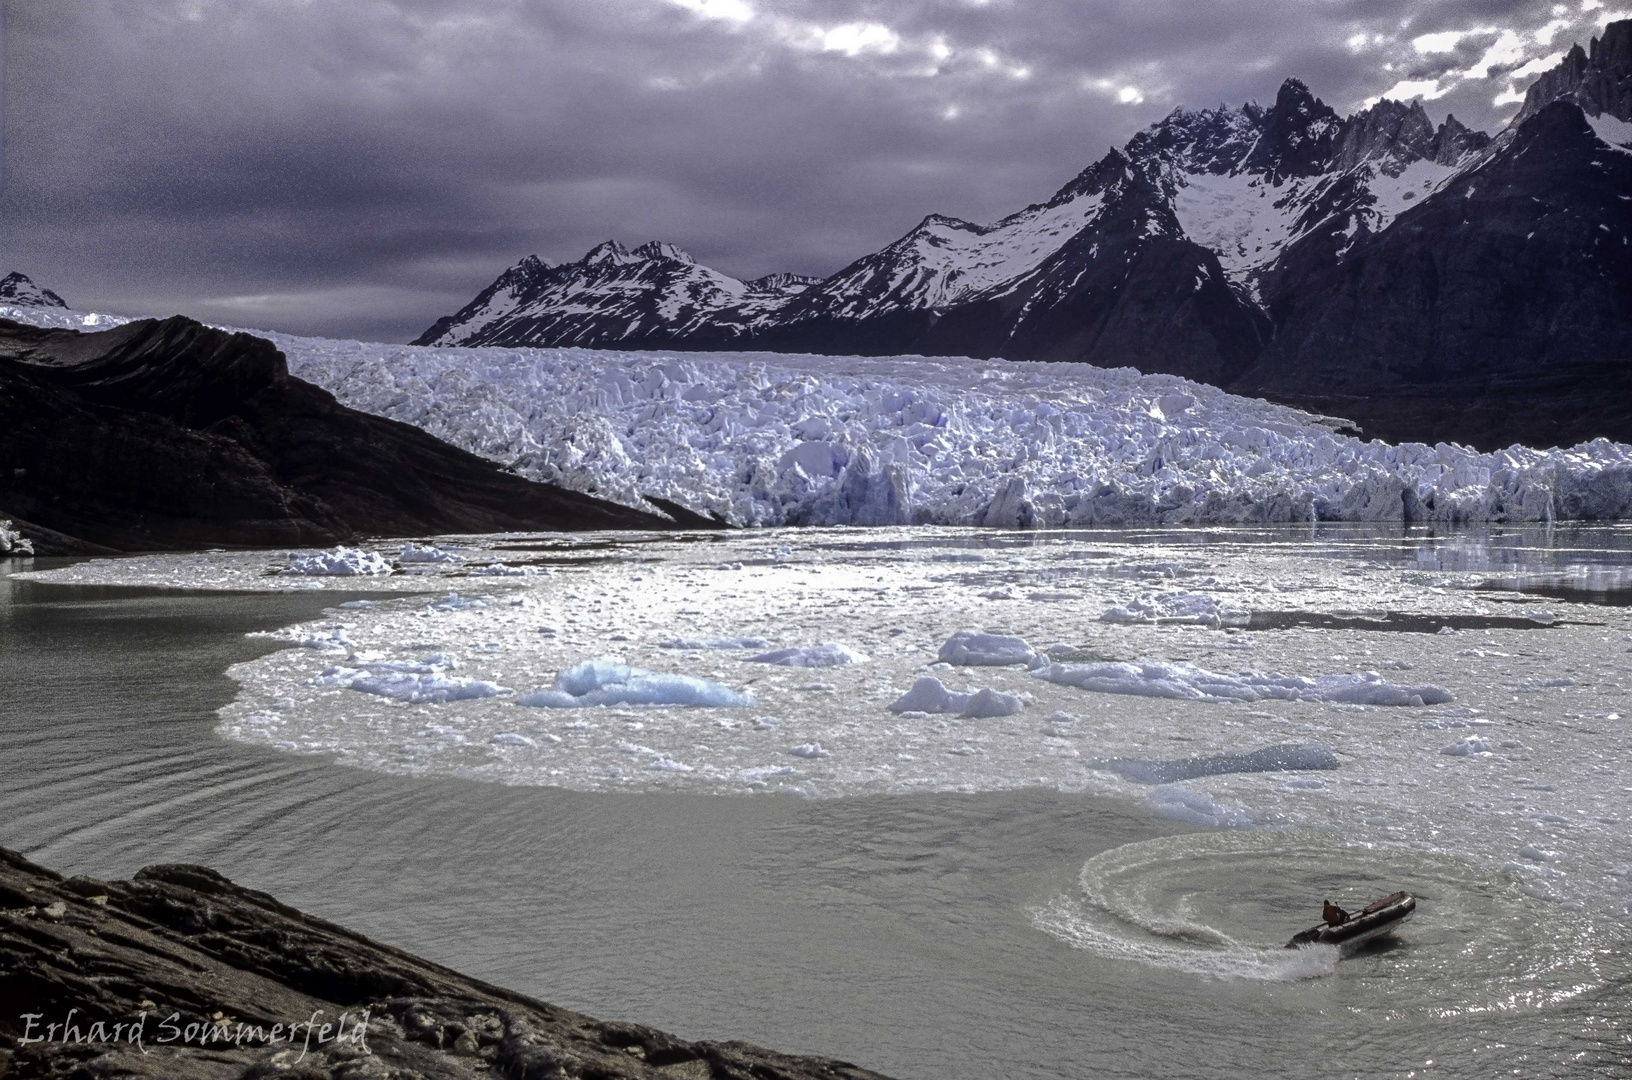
(1222, 904)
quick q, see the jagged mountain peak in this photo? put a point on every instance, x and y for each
(1599, 80)
(1097, 178)
(18, 288)
(1299, 133)
(608, 253)
(1294, 98)
(662, 249)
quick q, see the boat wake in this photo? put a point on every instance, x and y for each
(1220, 905)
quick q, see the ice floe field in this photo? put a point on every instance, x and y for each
(1389, 691)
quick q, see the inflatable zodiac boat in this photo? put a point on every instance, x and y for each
(1379, 917)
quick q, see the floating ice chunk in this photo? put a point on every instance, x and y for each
(929, 695)
(668, 764)
(506, 570)
(766, 723)
(1535, 683)
(511, 738)
(1287, 757)
(1469, 746)
(606, 681)
(1199, 808)
(1174, 608)
(1372, 689)
(341, 562)
(713, 643)
(976, 648)
(809, 750)
(12, 543)
(335, 640)
(1184, 681)
(760, 773)
(987, 704)
(427, 553)
(454, 602)
(425, 683)
(1537, 854)
(828, 654)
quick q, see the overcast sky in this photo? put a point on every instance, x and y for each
(358, 168)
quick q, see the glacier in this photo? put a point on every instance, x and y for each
(770, 439)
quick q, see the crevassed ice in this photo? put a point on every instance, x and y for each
(774, 439)
(787, 439)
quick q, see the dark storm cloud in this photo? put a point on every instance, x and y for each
(360, 167)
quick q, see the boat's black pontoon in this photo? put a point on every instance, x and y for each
(1349, 931)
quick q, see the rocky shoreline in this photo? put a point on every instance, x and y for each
(179, 974)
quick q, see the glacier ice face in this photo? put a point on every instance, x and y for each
(764, 439)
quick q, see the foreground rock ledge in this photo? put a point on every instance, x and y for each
(184, 940)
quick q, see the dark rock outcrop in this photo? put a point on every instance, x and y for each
(190, 949)
(165, 435)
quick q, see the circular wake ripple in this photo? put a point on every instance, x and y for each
(1222, 904)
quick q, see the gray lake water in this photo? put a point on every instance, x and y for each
(900, 932)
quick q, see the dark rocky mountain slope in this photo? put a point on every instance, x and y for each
(1498, 311)
(162, 435)
(1433, 281)
(221, 965)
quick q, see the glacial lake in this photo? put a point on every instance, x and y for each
(931, 895)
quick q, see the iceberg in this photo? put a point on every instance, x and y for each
(976, 648)
(606, 681)
(422, 683)
(930, 695)
(341, 562)
(1186, 682)
(830, 654)
(1288, 757)
(12, 542)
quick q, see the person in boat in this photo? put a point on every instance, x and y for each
(1334, 915)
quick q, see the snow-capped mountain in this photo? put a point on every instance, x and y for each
(19, 289)
(1225, 245)
(654, 293)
